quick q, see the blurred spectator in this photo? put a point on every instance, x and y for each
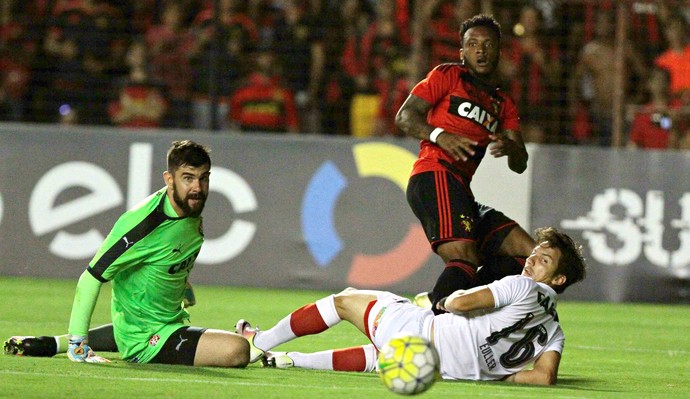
(233, 18)
(64, 48)
(224, 72)
(96, 80)
(644, 21)
(36, 16)
(593, 81)
(530, 70)
(384, 41)
(16, 55)
(84, 45)
(141, 15)
(393, 87)
(299, 45)
(656, 125)
(170, 42)
(392, 83)
(265, 14)
(228, 47)
(444, 18)
(264, 103)
(106, 38)
(676, 59)
(141, 100)
(384, 48)
(341, 44)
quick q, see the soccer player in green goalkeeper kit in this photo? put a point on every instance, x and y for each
(147, 257)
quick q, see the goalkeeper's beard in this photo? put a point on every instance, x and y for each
(187, 209)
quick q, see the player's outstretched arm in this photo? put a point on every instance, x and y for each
(84, 303)
(545, 371)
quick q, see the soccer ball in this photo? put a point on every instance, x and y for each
(408, 364)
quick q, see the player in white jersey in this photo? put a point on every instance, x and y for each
(492, 332)
(498, 342)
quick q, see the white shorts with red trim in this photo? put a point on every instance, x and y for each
(392, 314)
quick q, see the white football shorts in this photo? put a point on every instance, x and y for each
(392, 314)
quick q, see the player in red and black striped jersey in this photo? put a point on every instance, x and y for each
(458, 114)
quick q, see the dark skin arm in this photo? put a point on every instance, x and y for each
(509, 143)
(411, 119)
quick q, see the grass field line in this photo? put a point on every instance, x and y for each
(670, 352)
(231, 382)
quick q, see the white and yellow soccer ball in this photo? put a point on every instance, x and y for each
(408, 364)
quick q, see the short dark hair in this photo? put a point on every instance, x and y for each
(187, 152)
(572, 263)
(480, 20)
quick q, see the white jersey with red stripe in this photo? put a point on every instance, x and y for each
(492, 344)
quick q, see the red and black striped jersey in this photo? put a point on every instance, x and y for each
(465, 106)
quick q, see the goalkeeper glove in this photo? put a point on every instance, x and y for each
(79, 351)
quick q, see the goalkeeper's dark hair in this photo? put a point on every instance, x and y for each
(571, 263)
(480, 20)
(187, 153)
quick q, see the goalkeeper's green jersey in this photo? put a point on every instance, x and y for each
(147, 257)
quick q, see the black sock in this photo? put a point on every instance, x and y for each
(44, 346)
(458, 275)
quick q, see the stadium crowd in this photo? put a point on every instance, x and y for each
(339, 67)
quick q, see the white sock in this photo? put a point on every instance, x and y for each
(343, 359)
(61, 342)
(316, 361)
(308, 320)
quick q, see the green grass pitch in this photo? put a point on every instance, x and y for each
(612, 351)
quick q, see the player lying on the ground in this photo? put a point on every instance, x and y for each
(101, 338)
(492, 332)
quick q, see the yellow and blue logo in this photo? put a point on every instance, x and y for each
(372, 159)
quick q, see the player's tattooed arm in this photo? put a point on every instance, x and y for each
(411, 118)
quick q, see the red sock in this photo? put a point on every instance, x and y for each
(307, 320)
(349, 359)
